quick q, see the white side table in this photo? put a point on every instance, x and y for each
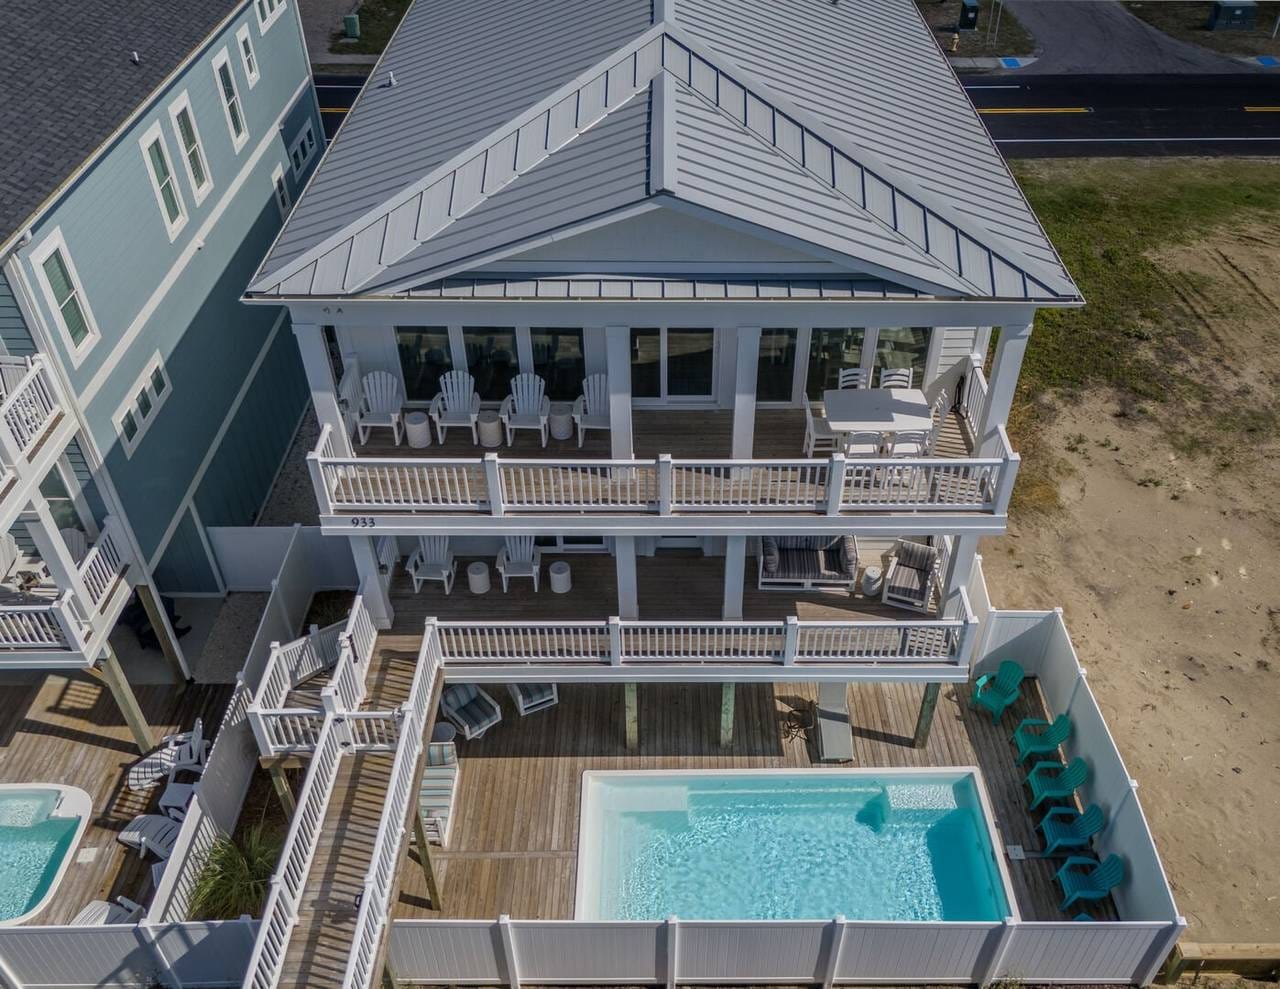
(561, 578)
(561, 420)
(417, 430)
(478, 577)
(490, 429)
(872, 578)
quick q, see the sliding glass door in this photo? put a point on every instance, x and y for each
(673, 363)
(776, 373)
(558, 358)
(492, 359)
(424, 359)
(830, 352)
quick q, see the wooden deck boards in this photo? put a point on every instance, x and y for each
(692, 434)
(67, 729)
(514, 843)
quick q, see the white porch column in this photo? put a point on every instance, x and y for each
(1010, 348)
(617, 341)
(735, 568)
(324, 390)
(53, 551)
(959, 567)
(371, 586)
(744, 391)
(624, 555)
(67, 472)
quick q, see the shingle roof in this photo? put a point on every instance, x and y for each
(734, 130)
(70, 83)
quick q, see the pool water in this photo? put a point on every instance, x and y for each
(33, 846)
(796, 845)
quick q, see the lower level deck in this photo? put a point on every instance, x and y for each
(514, 842)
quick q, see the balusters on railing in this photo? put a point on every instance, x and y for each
(51, 625)
(26, 410)
(104, 564)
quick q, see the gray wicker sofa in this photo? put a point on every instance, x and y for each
(808, 561)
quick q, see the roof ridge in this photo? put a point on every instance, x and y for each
(642, 73)
(919, 204)
(770, 147)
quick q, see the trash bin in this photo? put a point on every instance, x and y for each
(968, 16)
(1242, 15)
(351, 26)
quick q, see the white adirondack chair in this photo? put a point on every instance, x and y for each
(896, 377)
(432, 561)
(381, 402)
(852, 377)
(519, 558)
(458, 404)
(527, 407)
(591, 409)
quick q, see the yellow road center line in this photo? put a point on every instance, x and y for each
(1035, 109)
(1262, 109)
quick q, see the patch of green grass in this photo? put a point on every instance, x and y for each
(1189, 21)
(1011, 38)
(378, 21)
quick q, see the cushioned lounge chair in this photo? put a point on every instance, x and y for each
(470, 708)
(803, 562)
(531, 697)
(911, 577)
(123, 911)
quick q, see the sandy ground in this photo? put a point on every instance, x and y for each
(1166, 567)
(293, 498)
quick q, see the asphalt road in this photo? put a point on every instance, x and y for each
(1038, 116)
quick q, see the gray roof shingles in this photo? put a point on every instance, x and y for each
(70, 82)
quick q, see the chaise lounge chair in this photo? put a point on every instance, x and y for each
(531, 697)
(1066, 828)
(152, 833)
(997, 691)
(1082, 878)
(123, 911)
(1052, 781)
(186, 750)
(470, 708)
(1030, 740)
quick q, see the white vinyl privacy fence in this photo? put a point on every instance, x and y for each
(1129, 950)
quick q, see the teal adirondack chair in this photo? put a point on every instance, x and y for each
(997, 691)
(1053, 781)
(1030, 740)
(1082, 878)
(1065, 827)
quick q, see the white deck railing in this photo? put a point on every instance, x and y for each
(498, 486)
(30, 403)
(56, 624)
(105, 563)
(973, 399)
(375, 900)
(280, 914)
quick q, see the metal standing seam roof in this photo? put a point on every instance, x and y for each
(721, 138)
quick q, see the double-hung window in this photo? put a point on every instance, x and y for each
(281, 189)
(65, 295)
(268, 12)
(142, 405)
(230, 96)
(247, 56)
(303, 147)
(191, 149)
(163, 182)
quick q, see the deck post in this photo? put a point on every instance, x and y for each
(959, 568)
(493, 485)
(510, 961)
(113, 676)
(1010, 348)
(831, 963)
(624, 556)
(673, 950)
(727, 693)
(424, 859)
(835, 484)
(735, 571)
(285, 792)
(744, 392)
(372, 588)
(927, 706)
(160, 624)
(630, 692)
(324, 391)
(617, 341)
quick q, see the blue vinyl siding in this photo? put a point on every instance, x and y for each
(13, 328)
(241, 473)
(185, 568)
(180, 299)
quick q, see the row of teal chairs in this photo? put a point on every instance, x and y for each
(1065, 829)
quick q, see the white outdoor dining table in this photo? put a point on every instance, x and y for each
(885, 410)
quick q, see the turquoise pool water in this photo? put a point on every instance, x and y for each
(746, 846)
(33, 845)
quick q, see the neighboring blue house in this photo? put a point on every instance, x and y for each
(149, 152)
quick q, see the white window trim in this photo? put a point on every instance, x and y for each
(242, 39)
(219, 60)
(272, 16)
(198, 192)
(154, 135)
(307, 128)
(277, 177)
(130, 404)
(37, 258)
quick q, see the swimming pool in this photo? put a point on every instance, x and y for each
(40, 827)
(870, 844)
